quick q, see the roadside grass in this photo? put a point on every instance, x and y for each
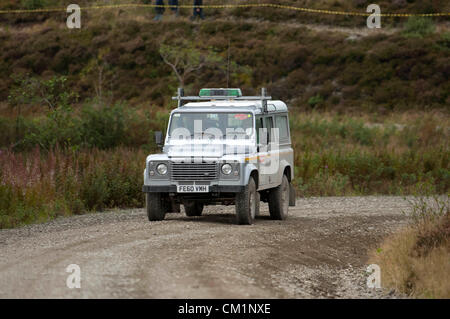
(37, 186)
(416, 260)
(350, 155)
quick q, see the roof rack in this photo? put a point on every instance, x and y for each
(263, 98)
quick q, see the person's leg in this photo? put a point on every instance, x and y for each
(159, 10)
(177, 10)
(198, 12)
(174, 4)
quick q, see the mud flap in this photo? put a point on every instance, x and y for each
(291, 195)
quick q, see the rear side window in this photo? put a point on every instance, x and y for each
(281, 124)
(268, 125)
(259, 125)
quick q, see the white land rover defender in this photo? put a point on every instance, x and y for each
(224, 148)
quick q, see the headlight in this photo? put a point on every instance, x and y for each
(161, 169)
(227, 169)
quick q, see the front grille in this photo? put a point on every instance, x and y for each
(194, 171)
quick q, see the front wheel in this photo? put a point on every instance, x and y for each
(155, 207)
(246, 204)
(279, 200)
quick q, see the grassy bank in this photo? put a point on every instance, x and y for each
(416, 260)
(358, 155)
(37, 187)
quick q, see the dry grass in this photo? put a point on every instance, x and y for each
(416, 260)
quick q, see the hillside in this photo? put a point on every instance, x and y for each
(323, 66)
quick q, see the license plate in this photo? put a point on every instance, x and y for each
(193, 188)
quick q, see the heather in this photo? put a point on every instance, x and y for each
(116, 56)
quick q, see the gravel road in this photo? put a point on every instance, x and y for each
(320, 251)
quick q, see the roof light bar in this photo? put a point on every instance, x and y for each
(220, 93)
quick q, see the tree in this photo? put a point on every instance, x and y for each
(103, 74)
(32, 90)
(184, 58)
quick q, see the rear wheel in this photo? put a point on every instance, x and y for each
(155, 207)
(246, 204)
(279, 200)
(193, 208)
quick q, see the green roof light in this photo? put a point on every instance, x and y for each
(220, 92)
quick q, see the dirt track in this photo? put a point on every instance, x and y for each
(319, 252)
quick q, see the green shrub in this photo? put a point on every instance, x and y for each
(418, 27)
(103, 127)
(315, 100)
(33, 4)
(94, 190)
(19, 206)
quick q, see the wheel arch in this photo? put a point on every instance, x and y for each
(288, 172)
(252, 171)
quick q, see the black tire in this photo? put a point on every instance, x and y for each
(155, 207)
(246, 204)
(193, 208)
(258, 202)
(279, 200)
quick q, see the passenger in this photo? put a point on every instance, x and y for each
(174, 8)
(159, 10)
(198, 11)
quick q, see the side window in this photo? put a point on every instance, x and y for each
(269, 125)
(259, 125)
(281, 124)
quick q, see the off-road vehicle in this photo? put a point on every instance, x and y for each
(222, 148)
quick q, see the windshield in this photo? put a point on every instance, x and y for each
(211, 125)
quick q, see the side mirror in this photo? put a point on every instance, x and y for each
(158, 138)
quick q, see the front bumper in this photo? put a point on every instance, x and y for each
(212, 189)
